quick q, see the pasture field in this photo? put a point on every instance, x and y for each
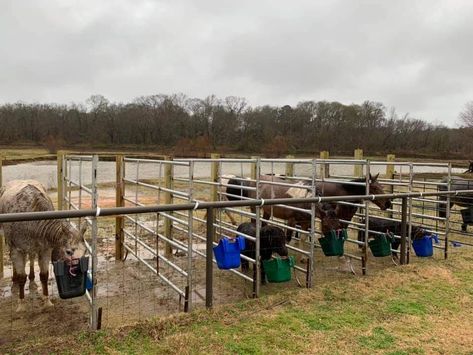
(422, 308)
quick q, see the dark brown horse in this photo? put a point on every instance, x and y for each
(346, 212)
(240, 189)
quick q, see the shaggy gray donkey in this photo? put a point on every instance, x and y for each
(47, 239)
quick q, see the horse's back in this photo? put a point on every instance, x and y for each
(24, 196)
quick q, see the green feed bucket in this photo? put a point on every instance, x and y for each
(332, 242)
(381, 245)
(278, 270)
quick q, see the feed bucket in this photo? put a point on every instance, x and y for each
(423, 247)
(227, 252)
(381, 245)
(332, 242)
(278, 270)
(71, 276)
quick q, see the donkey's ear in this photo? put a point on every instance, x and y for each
(374, 178)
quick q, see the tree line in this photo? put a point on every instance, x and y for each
(176, 123)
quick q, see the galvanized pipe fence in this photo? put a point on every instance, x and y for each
(149, 229)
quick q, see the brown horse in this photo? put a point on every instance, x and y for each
(346, 212)
(238, 189)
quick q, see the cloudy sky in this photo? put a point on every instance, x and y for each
(416, 56)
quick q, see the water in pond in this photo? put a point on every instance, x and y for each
(46, 171)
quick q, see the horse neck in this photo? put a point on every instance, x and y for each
(52, 231)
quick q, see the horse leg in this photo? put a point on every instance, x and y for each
(43, 261)
(263, 275)
(19, 260)
(31, 276)
(232, 219)
(253, 210)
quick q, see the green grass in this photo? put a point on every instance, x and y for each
(416, 309)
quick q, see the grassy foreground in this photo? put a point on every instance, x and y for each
(422, 308)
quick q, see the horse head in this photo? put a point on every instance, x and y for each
(377, 189)
(330, 221)
(71, 244)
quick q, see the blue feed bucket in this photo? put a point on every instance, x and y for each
(423, 247)
(227, 252)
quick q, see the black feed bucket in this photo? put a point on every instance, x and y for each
(332, 242)
(381, 245)
(71, 276)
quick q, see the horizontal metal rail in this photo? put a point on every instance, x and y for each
(156, 161)
(163, 278)
(115, 211)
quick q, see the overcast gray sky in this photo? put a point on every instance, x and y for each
(416, 56)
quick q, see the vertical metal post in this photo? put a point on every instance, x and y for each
(190, 222)
(311, 266)
(409, 228)
(257, 276)
(364, 258)
(119, 202)
(447, 209)
(403, 230)
(390, 175)
(168, 170)
(94, 310)
(208, 259)
(214, 178)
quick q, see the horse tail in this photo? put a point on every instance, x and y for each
(233, 192)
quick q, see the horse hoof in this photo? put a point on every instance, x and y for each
(48, 303)
(21, 308)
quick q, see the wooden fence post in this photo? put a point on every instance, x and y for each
(214, 174)
(325, 167)
(358, 171)
(119, 202)
(289, 166)
(253, 167)
(390, 175)
(60, 179)
(168, 172)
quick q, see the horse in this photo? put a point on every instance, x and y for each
(324, 188)
(377, 224)
(239, 189)
(346, 212)
(272, 240)
(47, 239)
(465, 200)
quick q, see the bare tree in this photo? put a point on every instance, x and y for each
(466, 116)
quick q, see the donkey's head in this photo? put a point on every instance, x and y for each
(71, 243)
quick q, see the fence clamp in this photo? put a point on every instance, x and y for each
(262, 202)
(196, 205)
(97, 211)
